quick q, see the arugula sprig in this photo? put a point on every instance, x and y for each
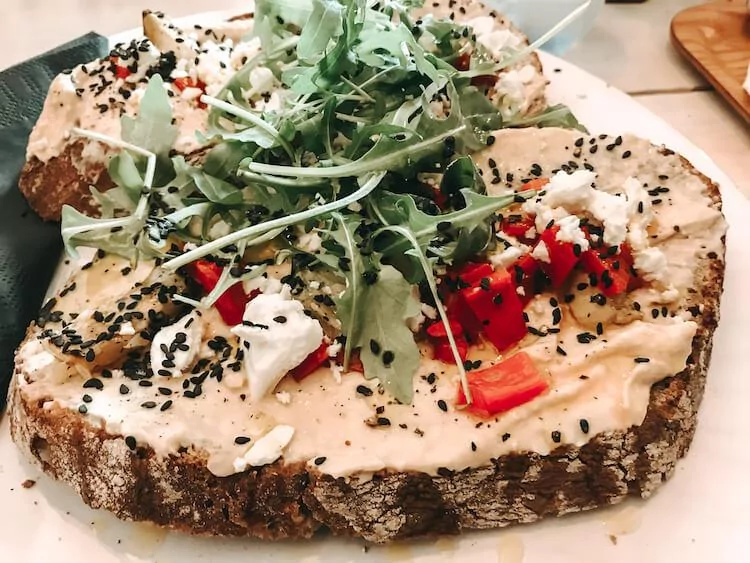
(363, 108)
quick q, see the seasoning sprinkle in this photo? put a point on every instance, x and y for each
(364, 390)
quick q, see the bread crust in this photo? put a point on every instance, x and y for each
(283, 501)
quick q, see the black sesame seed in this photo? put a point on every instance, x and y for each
(561, 351)
(90, 355)
(626, 154)
(148, 405)
(505, 437)
(87, 398)
(364, 390)
(641, 360)
(165, 390)
(241, 440)
(388, 358)
(442, 405)
(124, 389)
(93, 383)
(320, 460)
(83, 409)
(130, 442)
(281, 319)
(584, 424)
(556, 437)
(166, 405)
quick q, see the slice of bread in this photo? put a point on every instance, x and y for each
(60, 168)
(296, 498)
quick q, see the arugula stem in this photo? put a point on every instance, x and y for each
(355, 276)
(430, 277)
(372, 182)
(253, 119)
(356, 168)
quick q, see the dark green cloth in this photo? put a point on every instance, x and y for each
(29, 248)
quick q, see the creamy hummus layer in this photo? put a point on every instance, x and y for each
(598, 383)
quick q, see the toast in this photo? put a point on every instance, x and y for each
(502, 483)
(61, 168)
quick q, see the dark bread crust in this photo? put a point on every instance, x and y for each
(291, 501)
(63, 180)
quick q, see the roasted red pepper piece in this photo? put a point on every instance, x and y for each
(503, 386)
(463, 63)
(188, 82)
(528, 274)
(563, 257)
(231, 304)
(498, 309)
(441, 348)
(313, 361)
(535, 184)
(518, 226)
(614, 272)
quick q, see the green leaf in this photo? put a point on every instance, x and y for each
(374, 312)
(152, 128)
(324, 25)
(215, 189)
(80, 230)
(553, 116)
(389, 303)
(124, 172)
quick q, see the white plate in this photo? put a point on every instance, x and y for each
(700, 515)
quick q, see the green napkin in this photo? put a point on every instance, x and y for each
(29, 248)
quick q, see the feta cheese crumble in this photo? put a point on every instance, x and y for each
(266, 450)
(174, 347)
(277, 336)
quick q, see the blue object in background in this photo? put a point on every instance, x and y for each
(534, 17)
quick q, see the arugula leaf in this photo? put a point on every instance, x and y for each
(215, 189)
(554, 116)
(324, 25)
(378, 331)
(385, 324)
(152, 128)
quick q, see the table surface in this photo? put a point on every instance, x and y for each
(628, 47)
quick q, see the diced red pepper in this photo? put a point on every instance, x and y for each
(355, 363)
(119, 70)
(313, 361)
(517, 226)
(527, 273)
(437, 329)
(231, 304)
(613, 272)
(441, 348)
(187, 82)
(562, 256)
(535, 184)
(498, 309)
(504, 386)
(463, 63)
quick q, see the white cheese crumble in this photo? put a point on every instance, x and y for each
(174, 347)
(277, 336)
(283, 397)
(651, 263)
(263, 283)
(508, 256)
(541, 252)
(570, 231)
(266, 450)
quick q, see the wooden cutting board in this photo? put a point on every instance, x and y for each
(715, 37)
